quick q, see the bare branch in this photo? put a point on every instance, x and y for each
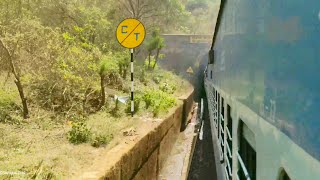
(132, 7)
(127, 8)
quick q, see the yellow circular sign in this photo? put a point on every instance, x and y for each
(130, 33)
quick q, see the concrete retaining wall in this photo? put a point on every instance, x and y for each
(144, 159)
(186, 109)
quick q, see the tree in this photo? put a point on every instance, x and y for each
(153, 13)
(141, 9)
(151, 46)
(108, 69)
(123, 62)
(201, 11)
(155, 42)
(63, 53)
(159, 45)
(22, 45)
(17, 81)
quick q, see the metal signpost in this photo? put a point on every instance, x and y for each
(130, 34)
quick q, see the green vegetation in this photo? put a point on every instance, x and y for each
(137, 103)
(7, 106)
(168, 88)
(155, 42)
(63, 61)
(61, 69)
(79, 133)
(101, 140)
(158, 101)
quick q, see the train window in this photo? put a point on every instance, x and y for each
(214, 90)
(284, 175)
(229, 139)
(218, 115)
(229, 119)
(211, 74)
(216, 108)
(222, 120)
(222, 107)
(216, 97)
(220, 128)
(247, 151)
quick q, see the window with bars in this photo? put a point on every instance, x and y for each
(212, 101)
(218, 114)
(247, 155)
(221, 127)
(228, 153)
(216, 109)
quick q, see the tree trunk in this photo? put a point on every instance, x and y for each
(103, 92)
(149, 60)
(23, 98)
(17, 81)
(125, 70)
(157, 57)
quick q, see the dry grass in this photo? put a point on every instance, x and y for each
(39, 146)
(25, 147)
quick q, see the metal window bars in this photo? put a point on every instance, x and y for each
(228, 166)
(216, 119)
(226, 172)
(228, 151)
(243, 167)
(218, 122)
(228, 132)
(222, 143)
(221, 138)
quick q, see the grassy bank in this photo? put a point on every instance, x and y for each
(42, 146)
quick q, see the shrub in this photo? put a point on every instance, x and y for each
(158, 101)
(7, 105)
(137, 100)
(168, 88)
(118, 110)
(152, 63)
(101, 140)
(157, 78)
(79, 133)
(142, 75)
(147, 98)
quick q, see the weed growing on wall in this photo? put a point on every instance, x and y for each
(158, 101)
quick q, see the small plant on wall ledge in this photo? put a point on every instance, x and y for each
(101, 140)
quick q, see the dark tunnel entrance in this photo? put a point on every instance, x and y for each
(187, 56)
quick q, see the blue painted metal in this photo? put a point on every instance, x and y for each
(267, 56)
